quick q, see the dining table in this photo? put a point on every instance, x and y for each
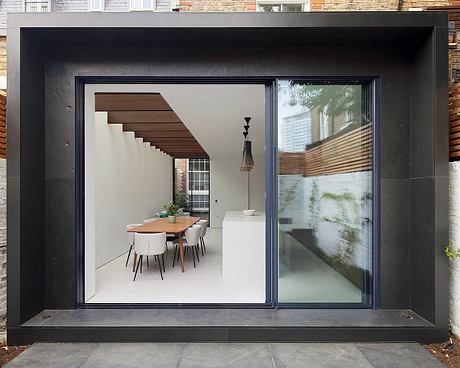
(163, 225)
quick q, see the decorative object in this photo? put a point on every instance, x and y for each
(171, 210)
(249, 212)
(247, 162)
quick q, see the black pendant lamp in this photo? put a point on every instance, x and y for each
(247, 162)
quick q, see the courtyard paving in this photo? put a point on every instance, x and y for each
(232, 355)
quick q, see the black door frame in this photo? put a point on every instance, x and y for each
(271, 190)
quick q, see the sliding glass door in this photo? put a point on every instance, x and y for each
(325, 191)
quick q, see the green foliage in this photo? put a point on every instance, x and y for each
(183, 201)
(171, 209)
(287, 196)
(451, 252)
(314, 206)
(331, 100)
(349, 218)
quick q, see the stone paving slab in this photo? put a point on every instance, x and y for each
(220, 355)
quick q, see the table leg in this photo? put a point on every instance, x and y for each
(181, 251)
(134, 261)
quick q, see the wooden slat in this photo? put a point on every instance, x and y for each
(148, 117)
(148, 136)
(153, 127)
(454, 122)
(151, 118)
(349, 152)
(130, 102)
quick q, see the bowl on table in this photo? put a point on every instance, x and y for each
(249, 212)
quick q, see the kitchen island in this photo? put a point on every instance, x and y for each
(243, 251)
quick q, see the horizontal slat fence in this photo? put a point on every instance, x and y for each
(454, 122)
(2, 126)
(349, 152)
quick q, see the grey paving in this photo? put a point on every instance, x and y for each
(226, 355)
(228, 317)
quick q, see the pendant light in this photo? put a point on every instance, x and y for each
(247, 162)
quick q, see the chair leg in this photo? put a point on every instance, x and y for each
(175, 252)
(157, 258)
(193, 256)
(129, 254)
(197, 250)
(142, 261)
(137, 268)
(148, 261)
(166, 244)
(204, 245)
(163, 261)
(201, 245)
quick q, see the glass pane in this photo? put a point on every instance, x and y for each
(325, 192)
(269, 7)
(96, 4)
(292, 7)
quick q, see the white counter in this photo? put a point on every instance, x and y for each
(243, 250)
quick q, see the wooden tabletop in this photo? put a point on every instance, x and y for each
(162, 225)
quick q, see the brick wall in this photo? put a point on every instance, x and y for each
(217, 5)
(2, 56)
(315, 5)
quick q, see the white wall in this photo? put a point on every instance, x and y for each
(229, 186)
(296, 202)
(454, 238)
(132, 181)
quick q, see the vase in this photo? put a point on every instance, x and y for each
(172, 219)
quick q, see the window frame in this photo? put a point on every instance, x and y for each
(24, 6)
(306, 4)
(152, 8)
(93, 9)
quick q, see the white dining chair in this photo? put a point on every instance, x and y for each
(190, 242)
(130, 240)
(204, 228)
(150, 245)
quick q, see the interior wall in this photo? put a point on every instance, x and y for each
(132, 181)
(229, 187)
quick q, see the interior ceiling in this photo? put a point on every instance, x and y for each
(206, 115)
(151, 118)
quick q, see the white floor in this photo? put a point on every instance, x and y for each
(306, 278)
(203, 284)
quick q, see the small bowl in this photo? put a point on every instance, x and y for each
(249, 212)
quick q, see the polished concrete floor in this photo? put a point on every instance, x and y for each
(203, 284)
(304, 277)
(232, 355)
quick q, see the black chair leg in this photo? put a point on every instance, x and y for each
(175, 253)
(137, 267)
(193, 256)
(201, 245)
(148, 261)
(163, 261)
(142, 261)
(204, 245)
(157, 258)
(129, 254)
(195, 247)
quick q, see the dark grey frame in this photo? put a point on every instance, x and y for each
(372, 280)
(80, 198)
(409, 47)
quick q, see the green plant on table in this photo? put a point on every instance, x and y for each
(171, 209)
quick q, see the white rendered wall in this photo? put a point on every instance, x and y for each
(229, 187)
(295, 203)
(132, 182)
(454, 238)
